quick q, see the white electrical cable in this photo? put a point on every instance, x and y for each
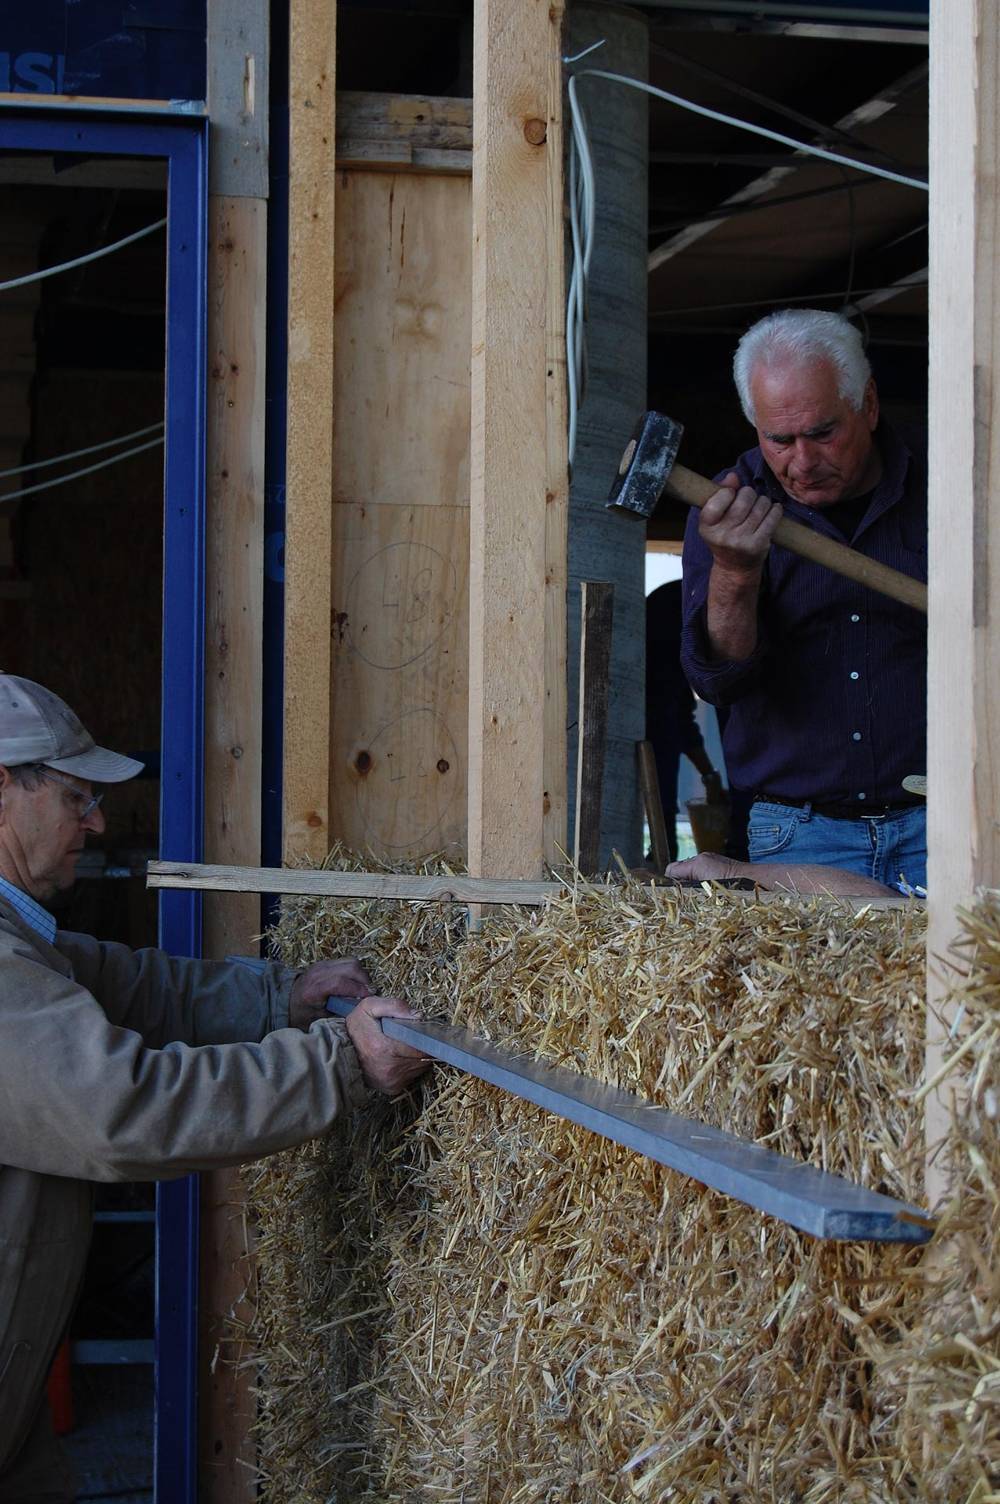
(758, 130)
(65, 266)
(60, 480)
(75, 454)
(582, 210)
(582, 207)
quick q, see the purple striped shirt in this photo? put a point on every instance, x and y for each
(831, 706)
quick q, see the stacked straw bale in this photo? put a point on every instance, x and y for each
(462, 1298)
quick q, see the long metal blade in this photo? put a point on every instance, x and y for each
(812, 1200)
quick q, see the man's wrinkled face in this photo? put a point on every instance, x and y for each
(42, 832)
(821, 450)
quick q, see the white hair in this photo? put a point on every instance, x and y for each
(799, 336)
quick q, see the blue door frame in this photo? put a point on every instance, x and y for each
(183, 142)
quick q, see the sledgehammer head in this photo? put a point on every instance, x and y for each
(648, 460)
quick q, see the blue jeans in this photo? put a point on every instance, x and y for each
(885, 847)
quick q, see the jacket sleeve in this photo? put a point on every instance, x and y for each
(169, 999)
(719, 681)
(81, 1096)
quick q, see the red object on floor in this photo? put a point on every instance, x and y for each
(60, 1391)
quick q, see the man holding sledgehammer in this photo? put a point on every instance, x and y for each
(822, 678)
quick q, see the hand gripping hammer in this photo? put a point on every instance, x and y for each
(648, 469)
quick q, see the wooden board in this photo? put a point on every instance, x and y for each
(400, 549)
(402, 344)
(399, 688)
(234, 554)
(315, 882)
(313, 25)
(963, 767)
(510, 443)
(555, 811)
(404, 132)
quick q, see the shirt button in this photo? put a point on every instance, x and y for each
(862, 796)
(855, 617)
(855, 674)
(856, 736)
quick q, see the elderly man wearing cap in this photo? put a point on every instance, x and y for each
(127, 1065)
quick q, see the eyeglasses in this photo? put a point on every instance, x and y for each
(83, 804)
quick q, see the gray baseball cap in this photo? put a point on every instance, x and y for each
(36, 726)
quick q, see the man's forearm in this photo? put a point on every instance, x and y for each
(731, 613)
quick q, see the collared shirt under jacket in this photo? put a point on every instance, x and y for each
(831, 706)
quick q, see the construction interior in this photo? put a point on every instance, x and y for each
(400, 460)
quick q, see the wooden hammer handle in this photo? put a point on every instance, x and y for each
(694, 490)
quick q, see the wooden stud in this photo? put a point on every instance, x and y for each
(233, 672)
(319, 882)
(511, 191)
(554, 798)
(312, 127)
(234, 553)
(597, 599)
(963, 769)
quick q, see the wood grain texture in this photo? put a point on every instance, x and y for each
(510, 454)
(317, 883)
(312, 133)
(399, 591)
(403, 273)
(964, 478)
(555, 803)
(404, 132)
(400, 679)
(234, 543)
(234, 554)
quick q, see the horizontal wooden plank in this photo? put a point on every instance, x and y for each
(458, 887)
(313, 883)
(404, 133)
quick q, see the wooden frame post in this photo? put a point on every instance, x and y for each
(312, 157)
(516, 159)
(964, 476)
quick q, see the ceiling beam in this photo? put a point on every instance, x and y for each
(864, 114)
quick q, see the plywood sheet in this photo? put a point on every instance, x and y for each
(400, 678)
(399, 595)
(401, 364)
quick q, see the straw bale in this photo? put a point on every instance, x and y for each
(463, 1298)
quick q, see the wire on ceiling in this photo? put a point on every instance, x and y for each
(582, 210)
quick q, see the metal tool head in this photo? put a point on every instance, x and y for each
(647, 461)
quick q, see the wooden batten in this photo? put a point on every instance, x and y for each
(964, 462)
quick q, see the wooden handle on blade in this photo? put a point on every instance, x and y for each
(694, 490)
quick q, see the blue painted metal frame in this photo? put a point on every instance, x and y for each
(183, 142)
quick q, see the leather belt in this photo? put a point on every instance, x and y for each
(859, 810)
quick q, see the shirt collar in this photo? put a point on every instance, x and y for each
(39, 919)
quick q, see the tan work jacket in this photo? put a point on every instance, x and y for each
(129, 1065)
